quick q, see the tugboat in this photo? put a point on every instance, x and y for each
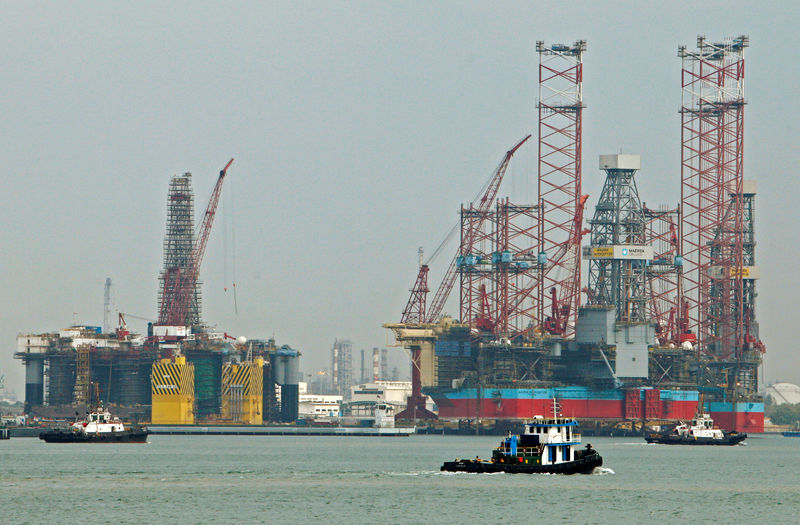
(98, 427)
(546, 446)
(701, 431)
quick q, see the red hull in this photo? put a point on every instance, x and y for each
(752, 422)
(578, 408)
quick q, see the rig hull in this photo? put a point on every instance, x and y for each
(584, 403)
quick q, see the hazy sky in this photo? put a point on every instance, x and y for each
(358, 128)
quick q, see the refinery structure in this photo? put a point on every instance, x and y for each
(663, 318)
(180, 372)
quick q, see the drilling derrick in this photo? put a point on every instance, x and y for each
(560, 123)
(712, 241)
(180, 305)
(178, 247)
(618, 253)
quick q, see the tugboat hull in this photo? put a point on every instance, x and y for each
(732, 438)
(581, 465)
(66, 436)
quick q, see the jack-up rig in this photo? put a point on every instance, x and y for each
(666, 319)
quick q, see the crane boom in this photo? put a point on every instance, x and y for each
(180, 285)
(483, 205)
(415, 308)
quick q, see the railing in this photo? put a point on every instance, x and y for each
(559, 439)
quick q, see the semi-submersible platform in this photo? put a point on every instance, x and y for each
(212, 380)
(665, 321)
(180, 371)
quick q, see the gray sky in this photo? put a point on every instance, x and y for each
(358, 128)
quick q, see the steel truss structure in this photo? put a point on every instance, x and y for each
(472, 238)
(474, 263)
(559, 174)
(517, 268)
(179, 244)
(414, 311)
(751, 331)
(712, 136)
(664, 272)
(500, 268)
(619, 220)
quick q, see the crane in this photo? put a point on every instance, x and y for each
(179, 284)
(483, 205)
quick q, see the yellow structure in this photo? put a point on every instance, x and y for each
(172, 383)
(242, 392)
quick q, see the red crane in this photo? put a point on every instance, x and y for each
(179, 285)
(443, 292)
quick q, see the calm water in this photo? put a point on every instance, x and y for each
(259, 479)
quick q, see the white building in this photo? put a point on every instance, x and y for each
(317, 405)
(394, 392)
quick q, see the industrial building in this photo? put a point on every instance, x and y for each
(664, 321)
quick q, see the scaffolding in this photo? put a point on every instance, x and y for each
(207, 382)
(82, 375)
(179, 247)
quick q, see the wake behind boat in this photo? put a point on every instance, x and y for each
(98, 427)
(701, 431)
(546, 446)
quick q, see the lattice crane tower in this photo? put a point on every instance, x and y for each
(559, 174)
(712, 206)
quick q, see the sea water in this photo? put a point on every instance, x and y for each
(323, 479)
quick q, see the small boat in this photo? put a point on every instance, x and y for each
(98, 427)
(546, 446)
(701, 431)
(792, 434)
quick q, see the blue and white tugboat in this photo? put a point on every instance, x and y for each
(546, 446)
(98, 427)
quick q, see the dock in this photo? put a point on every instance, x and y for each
(197, 430)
